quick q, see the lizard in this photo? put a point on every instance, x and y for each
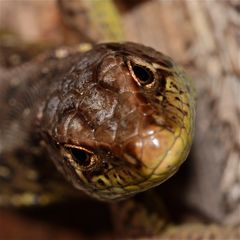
(58, 56)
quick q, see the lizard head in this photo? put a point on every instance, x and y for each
(120, 121)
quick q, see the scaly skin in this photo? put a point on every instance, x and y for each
(20, 187)
(116, 120)
(187, 231)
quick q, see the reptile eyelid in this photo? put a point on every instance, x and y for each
(142, 75)
(80, 155)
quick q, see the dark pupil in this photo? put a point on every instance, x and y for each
(81, 157)
(143, 74)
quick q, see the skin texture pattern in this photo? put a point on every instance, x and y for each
(115, 120)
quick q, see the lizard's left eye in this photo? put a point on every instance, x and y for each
(143, 75)
(83, 158)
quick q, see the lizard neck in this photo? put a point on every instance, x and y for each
(23, 92)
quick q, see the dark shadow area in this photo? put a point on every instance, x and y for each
(86, 216)
(125, 6)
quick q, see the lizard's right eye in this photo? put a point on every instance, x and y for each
(143, 75)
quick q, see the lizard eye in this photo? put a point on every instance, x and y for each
(142, 75)
(82, 157)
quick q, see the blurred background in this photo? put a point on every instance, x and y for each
(204, 37)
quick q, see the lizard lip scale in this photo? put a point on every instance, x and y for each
(115, 120)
